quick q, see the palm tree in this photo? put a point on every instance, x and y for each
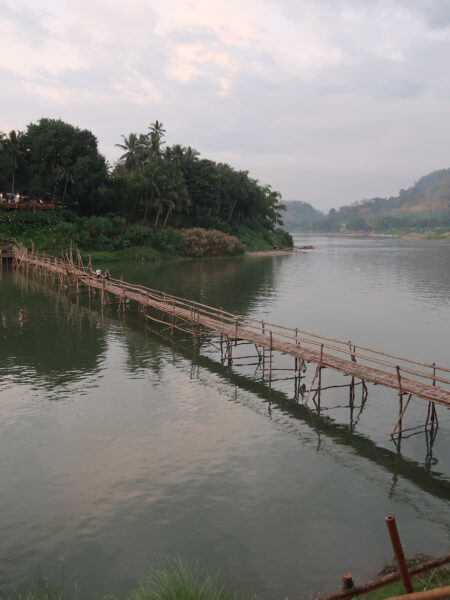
(175, 155)
(13, 144)
(65, 173)
(157, 133)
(152, 191)
(133, 146)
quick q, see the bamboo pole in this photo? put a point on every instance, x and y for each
(398, 551)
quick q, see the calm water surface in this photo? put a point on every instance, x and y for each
(119, 444)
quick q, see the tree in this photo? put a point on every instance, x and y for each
(173, 182)
(64, 163)
(150, 184)
(157, 133)
(14, 148)
(66, 174)
(133, 146)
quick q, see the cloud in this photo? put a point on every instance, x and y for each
(302, 93)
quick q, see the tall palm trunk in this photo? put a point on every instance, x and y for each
(168, 215)
(147, 203)
(64, 192)
(232, 210)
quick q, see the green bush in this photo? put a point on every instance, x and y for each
(137, 235)
(100, 226)
(166, 240)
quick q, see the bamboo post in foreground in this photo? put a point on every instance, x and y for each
(398, 551)
(347, 581)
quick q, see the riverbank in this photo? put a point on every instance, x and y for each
(411, 235)
(113, 239)
(276, 252)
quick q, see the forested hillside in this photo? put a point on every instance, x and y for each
(298, 214)
(423, 207)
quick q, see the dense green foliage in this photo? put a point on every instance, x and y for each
(423, 207)
(150, 189)
(113, 238)
(299, 214)
(55, 161)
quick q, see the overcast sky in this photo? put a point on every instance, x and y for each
(329, 101)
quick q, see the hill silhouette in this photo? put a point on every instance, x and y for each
(423, 207)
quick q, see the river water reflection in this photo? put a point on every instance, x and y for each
(118, 445)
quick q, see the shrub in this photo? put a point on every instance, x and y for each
(137, 235)
(100, 226)
(209, 242)
(166, 240)
(283, 238)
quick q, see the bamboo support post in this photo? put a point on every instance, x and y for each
(400, 402)
(270, 359)
(264, 348)
(347, 581)
(398, 551)
(399, 422)
(319, 385)
(173, 317)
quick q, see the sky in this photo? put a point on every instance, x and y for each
(328, 101)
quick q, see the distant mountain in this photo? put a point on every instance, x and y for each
(298, 214)
(430, 194)
(424, 206)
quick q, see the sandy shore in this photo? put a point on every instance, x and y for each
(274, 252)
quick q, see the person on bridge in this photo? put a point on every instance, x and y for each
(98, 272)
(107, 274)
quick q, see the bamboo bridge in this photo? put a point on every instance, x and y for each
(428, 382)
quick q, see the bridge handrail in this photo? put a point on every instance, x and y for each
(230, 317)
(322, 337)
(242, 319)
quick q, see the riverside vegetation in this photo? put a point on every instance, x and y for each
(174, 580)
(158, 201)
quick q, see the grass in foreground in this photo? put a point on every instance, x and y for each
(173, 581)
(178, 582)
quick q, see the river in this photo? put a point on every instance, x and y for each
(119, 444)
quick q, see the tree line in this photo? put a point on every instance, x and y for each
(152, 183)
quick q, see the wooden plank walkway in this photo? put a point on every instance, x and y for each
(406, 376)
